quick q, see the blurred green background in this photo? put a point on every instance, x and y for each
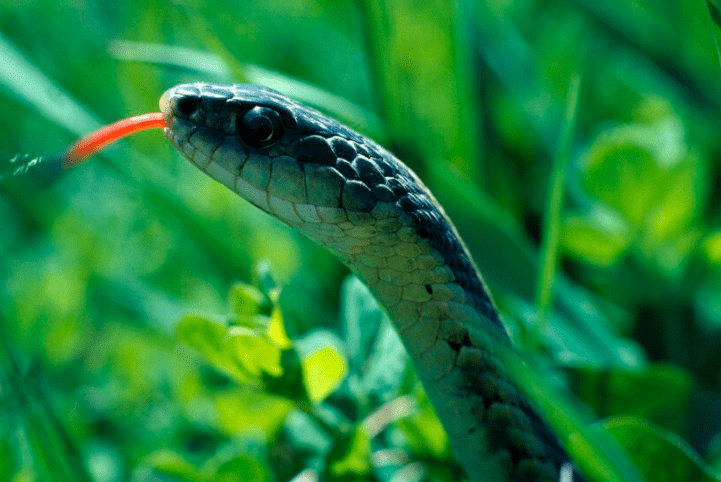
(115, 309)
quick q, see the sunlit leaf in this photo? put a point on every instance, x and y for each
(323, 370)
(170, 463)
(647, 173)
(678, 200)
(238, 350)
(712, 247)
(276, 330)
(246, 300)
(593, 242)
(242, 411)
(255, 310)
(255, 353)
(623, 173)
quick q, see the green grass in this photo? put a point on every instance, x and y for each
(127, 342)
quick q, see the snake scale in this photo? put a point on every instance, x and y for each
(356, 199)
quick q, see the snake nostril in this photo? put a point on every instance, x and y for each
(187, 105)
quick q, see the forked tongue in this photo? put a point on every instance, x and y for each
(93, 142)
(48, 168)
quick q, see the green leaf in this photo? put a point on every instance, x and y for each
(208, 337)
(168, 462)
(253, 352)
(661, 456)
(388, 361)
(239, 351)
(241, 459)
(276, 330)
(242, 467)
(677, 202)
(712, 247)
(323, 371)
(353, 455)
(554, 206)
(304, 434)
(647, 173)
(571, 343)
(246, 301)
(258, 310)
(622, 172)
(361, 319)
(600, 243)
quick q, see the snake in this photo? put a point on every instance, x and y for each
(357, 200)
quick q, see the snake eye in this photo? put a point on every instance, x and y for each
(260, 127)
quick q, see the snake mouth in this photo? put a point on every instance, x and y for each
(166, 110)
(178, 131)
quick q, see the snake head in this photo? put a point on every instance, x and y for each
(285, 158)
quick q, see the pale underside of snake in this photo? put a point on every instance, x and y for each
(357, 200)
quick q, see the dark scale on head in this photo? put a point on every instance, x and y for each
(383, 193)
(347, 169)
(342, 148)
(313, 149)
(368, 171)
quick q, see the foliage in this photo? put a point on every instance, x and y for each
(143, 338)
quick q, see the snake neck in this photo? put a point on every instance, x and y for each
(410, 255)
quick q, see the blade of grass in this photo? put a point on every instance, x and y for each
(28, 83)
(428, 97)
(554, 207)
(469, 110)
(51, 449)
(594, 450)
(715, 15)
(376, 36)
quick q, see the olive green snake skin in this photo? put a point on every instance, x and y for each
(356, 199)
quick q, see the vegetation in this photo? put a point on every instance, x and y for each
(155, 327)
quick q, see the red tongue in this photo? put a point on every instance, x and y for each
(95, 141)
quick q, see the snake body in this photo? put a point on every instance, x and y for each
(356, 199)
